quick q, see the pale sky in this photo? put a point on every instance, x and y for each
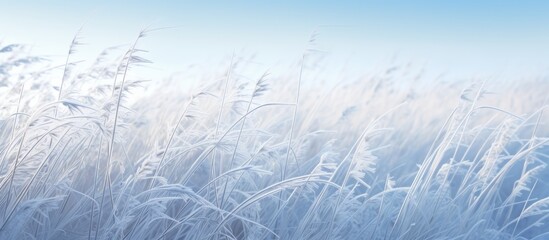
(461, 38)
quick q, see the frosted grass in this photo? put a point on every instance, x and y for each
(389, 156)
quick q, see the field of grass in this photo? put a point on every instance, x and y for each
(387, 156)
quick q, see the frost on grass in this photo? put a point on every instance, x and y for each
(246, 157)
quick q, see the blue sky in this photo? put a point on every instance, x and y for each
(462, 38)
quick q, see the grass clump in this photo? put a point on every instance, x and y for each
(267, 156)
